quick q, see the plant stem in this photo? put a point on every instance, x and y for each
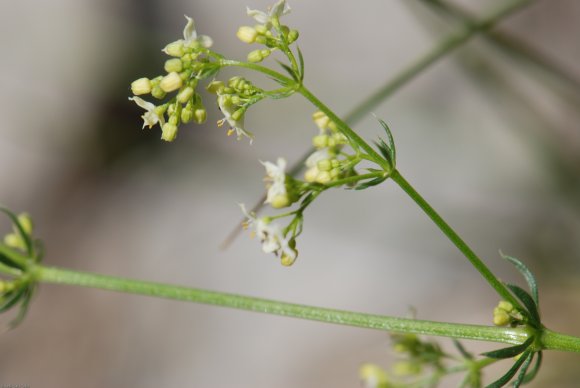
(556, 341)
(475, 332)
(493, 281)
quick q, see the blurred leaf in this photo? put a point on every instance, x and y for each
(527, 274)
(510, 373)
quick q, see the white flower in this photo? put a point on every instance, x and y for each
(190, 39)
(277, 195)
(275, 11)
(150, 118)
(270, 234)
(228, 108)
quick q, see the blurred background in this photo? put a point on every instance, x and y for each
(490, 140)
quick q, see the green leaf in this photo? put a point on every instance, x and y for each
(301, 63)
(7, 261)
(23, 308)
(289, 70)
(512, 351)
(510, 373)
(12, 298)
(372, 182)
(530, 376)
(523, 371)
(462, 350)
(385, 151)
(390, 138)
(529, 304)
(526, 273)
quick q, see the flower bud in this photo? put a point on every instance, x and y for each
(174, 49)
(173, 65)
(141, 86)
(215, 87)
(311, 174)
(324, 165)
(501, 317)
(25, 222)
(292, 36)
(320, 141)
(171, 82)
(185, 95)
(320, 119)
(280, 201)
(169, 132)
(505, 305)
(247, 34)
(323, 177)
(200, 115)
(258, 55)
(157, 92)
(186, 114)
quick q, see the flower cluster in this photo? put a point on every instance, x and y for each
(505, 314)
(269, 32)
(191, 61)
(325, 165)
(234, 99)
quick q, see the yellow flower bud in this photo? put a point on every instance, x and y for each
(174, 49)
(141, 86)
(320, 141)
(320, 119)
(171, 82)
(173, 65)
(169, 132)
(215, 87)
(323, 177)
(185, 95)
(258, 55)
(505, 305)
(324, 165)
(247, 34)
(311, 174)
(280, 201)
(292, 36)
(200, 115)
(500, 317)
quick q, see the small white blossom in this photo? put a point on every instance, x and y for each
(228, 109)
(190, 39)
(277, 195)
(271, 236)
(275, 11)
(150, 118)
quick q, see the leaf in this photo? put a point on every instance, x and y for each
(385, 151)
(526, 273)
(23, 309)
(301, 63)
(391, 140)
(512, 351)
(510, 373)
(523, 371)
(12, 298)
(462, 350)
(529, 304)
(530, 376)
(9, 262)
(372, 182)
(289, 70)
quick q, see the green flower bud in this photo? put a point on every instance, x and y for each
(335, 173)
(247, 34)
(261, 29)
(169, 132)
(174, 49)
(237, 115)
(258, 55)
(320, 141)
(280, 201)
(141, 86)
(157, 92)
(173, 65)
(200, 115)
(324, 165)
(185, 95)
(13, 240)
(187, 114)
(505, 305)
(171, 82)
(292, 36)
(501, 317)
(215, 87)
(406, 368)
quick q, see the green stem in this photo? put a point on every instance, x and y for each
(556, 341)
(474, 332)
(345, 129)
(354, 178)
(493, 281)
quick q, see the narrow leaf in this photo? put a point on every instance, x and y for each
(370, 183)
(523, 371)
(510, 373)
(528, 302)
(289, 70)
(385, 151)
(12, 299)
(530, 376)
(23, 309)
(512, 351)
(390, 138)
(462, 350)
(526, 273)
(301, 63)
